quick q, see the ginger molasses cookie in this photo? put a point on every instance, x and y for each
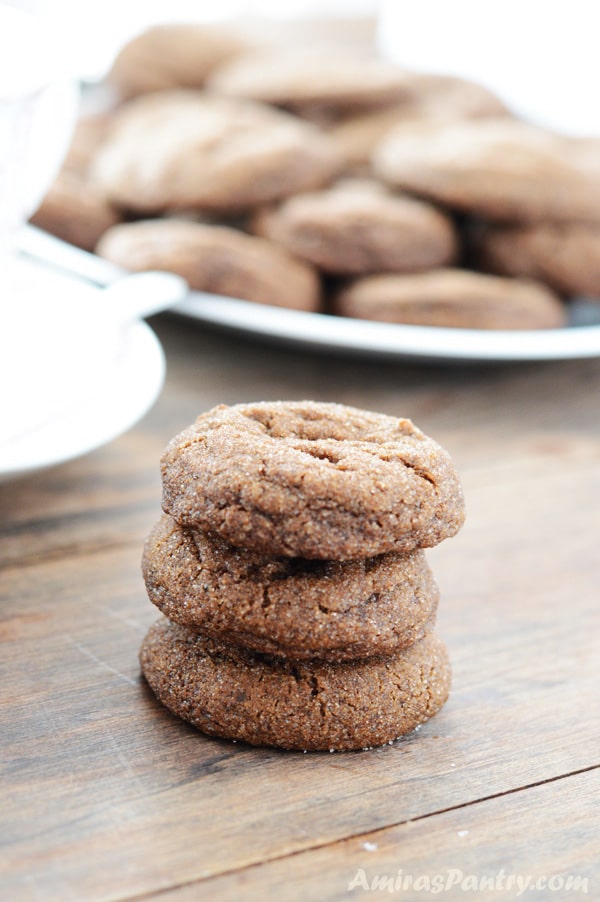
(171, 56)
(289, 607)
(75, 211)
(310, 80)
(439, 98)
(456, 298)
(313, 480)
(236, 694)
(499, 169)
(88, 135)
(358, 226)
(185, 149)
(216, 259)
(565, 256)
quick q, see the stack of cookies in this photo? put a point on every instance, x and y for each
(288, 562)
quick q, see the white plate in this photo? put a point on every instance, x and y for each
(320, 332)
(128, 390)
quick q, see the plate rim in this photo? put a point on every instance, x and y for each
(322, 332)
(325, 332)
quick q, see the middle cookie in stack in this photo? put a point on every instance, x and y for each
(290, 560)
(290, 607)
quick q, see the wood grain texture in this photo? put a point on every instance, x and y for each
(495, 849)
(105, 795)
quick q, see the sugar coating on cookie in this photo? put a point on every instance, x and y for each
(452, 298)
(357, 226)
(235, 694)
(217, 259)
(313, 480)
(291, 607)
(185, 149)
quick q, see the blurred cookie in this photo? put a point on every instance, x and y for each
(360, 227)
(87, 137)
(313, 480)
(436, 98)
(448, 297)
(450, 98)
(310, 80)
(289, 607)
(171, 56)
(216, 259)
(75, 211)
(498, 169)
(184, 149)
(565, 256)
(236, 694)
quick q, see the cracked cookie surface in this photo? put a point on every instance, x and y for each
(312, 480)
(290, 607)
(228, 692)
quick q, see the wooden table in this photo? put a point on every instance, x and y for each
(105, 795)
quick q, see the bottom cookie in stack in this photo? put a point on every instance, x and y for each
(289, 652)
(234, 693)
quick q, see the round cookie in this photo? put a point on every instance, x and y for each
(310, 80)
(455, 298)
(289, 607)
(360, 227)
(171, 56)
(88, 135)
(75, 211)
(440, 98)
(216, 259)
(565, 256)
(451, 98)
(499, 169)
(185, 149)
(228, 692)
(312, 480)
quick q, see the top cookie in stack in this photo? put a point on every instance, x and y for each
(312, 480)
(289, 557)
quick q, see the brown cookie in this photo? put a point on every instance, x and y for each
(216, 259)
(360, 227)
(499, 169)
(313, 480)
(446, 297)
(171, 56)
(88, 135)
(75, 211)
(436, 98)
(185, 149)
(236, 694)
(299, 80)
(450, 98)
(565, 256)
(289, 607)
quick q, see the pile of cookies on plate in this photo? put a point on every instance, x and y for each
(326, 181)
(289, 564)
